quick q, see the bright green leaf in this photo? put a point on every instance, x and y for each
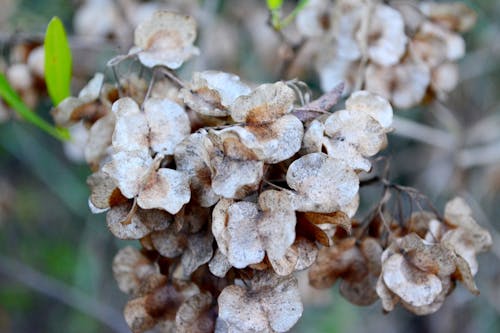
(274, 4)
(57, 61)
(301, 4)
(10, 97)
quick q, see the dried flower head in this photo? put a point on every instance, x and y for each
(269, 304)
(165, 39)
(211, 93)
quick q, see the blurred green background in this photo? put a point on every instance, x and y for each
(55, 256)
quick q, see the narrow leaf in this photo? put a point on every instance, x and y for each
(274, 4)
(57, 61)
(10, 96)
(297, 9)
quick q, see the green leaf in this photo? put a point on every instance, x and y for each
(274, 4)
(57, 61)
(296, 10)
(301, 5)
(14, 101)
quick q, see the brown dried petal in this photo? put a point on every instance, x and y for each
(192, 217)
(99, 140)
(235, 178)
(271, 303)
(129, 170)
(165, 301)
(272, 143)
(351, 208)
(371, 104)
(333, 262)
(102, 187)
(372, 251)
(168, 124)
(124, 225)
(277, 226)
(431, 258)
(192, 158)
(404, 84)
(219, 223)
(453, 15)
(169, 243)
(137, 317)
(387, 297)
(213, 92)
(360, 292)
(241, 235)
(131, 129)
(62, 113)
(465, 275)
(92, 90)
(285, 265)
(154, 219)
(195, 315)
(458, 213)
(434, 306)
(307, 253)
(415, 287)
(135, 274)
(386, 38)
(468, 239)
(244, 234)
(65, 113)
(449, 45)
(354, 135)
(338, 218)
(462, 243)
(324, 183)
(312, 141)
(445, 78)
(166, 39)
(198, 252)
(166, 189)
(219, 265)
(266, 103)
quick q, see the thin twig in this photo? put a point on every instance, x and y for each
(117, 81)
(364, 34)
(172, 77)
(63, 293)
(423, 133)
(483, 155)
(150, 87)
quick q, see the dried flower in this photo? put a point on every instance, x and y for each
(270, 303)
(165, 39)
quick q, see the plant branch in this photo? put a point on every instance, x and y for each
(477, 156)
(423, 133)
(63, 293)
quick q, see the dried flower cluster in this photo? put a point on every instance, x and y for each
(25, 73)
(118, 18)
(231, 189)
(401, 50)
(417, 266)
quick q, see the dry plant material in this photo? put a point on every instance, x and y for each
(165, 39)
(232, 190)
(401, 50)
(269, 304)
(420, 273)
